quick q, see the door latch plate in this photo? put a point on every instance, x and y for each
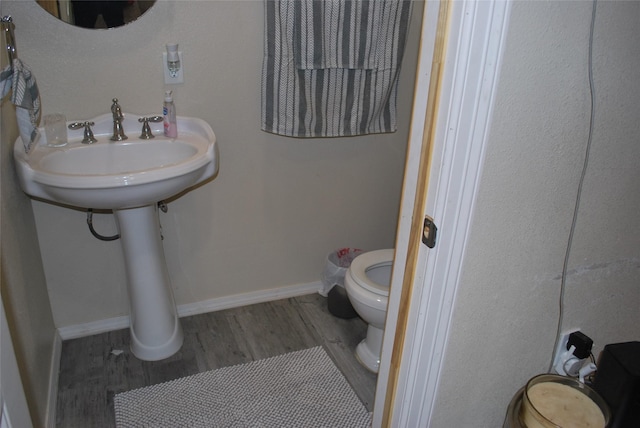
(429, 232)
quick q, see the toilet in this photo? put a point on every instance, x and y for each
(367, 284)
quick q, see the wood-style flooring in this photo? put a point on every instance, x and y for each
(92, 370)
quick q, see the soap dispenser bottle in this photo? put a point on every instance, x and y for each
(169, 114)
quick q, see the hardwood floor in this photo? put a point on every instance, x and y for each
(93, 370)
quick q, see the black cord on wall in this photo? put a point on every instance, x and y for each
(579, 193)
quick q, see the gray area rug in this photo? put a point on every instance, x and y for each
(298, 389)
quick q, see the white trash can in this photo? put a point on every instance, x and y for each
(335, 269)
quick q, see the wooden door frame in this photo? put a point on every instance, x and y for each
(460, 56)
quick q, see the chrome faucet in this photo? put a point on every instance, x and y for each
(118, 117)
(146, 129)
(88, 133)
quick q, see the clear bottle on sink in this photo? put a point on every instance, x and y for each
(169, 114)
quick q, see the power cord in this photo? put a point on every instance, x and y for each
(579, 193)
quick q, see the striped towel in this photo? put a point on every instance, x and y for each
(331, 66)
(25, 96)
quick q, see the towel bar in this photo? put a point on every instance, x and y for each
(7, 27)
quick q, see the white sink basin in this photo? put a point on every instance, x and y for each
(119, 175)
(129, 177)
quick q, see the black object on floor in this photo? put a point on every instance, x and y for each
(339, 304)
(618, 382)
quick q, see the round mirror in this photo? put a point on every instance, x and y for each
(96, 13)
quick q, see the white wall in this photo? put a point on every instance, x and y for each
(22, 280)
(506, 310)
(278, 206)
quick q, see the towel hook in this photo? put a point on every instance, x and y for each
(8, 27)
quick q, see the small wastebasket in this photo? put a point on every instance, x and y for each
(335, 269)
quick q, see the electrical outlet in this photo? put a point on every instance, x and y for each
(179, 77)
(561, 349)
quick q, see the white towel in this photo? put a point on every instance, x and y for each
(18, 78)
(331, 66)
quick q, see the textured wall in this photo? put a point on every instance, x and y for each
(278, 206)
(22, 280)
(506, 311)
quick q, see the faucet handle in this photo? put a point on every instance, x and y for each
(88, 133)
(146, 129)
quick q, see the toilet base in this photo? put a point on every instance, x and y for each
(368, 351)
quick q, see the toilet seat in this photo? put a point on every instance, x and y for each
(367, 261)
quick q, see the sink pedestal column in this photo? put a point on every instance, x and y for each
(155, 329)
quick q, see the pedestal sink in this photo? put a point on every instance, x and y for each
(129, 177)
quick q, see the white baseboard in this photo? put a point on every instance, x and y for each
(211, 305)
(54, 371)
(93, 327)
(246, 299)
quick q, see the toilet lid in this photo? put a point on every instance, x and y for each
(371, 260)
